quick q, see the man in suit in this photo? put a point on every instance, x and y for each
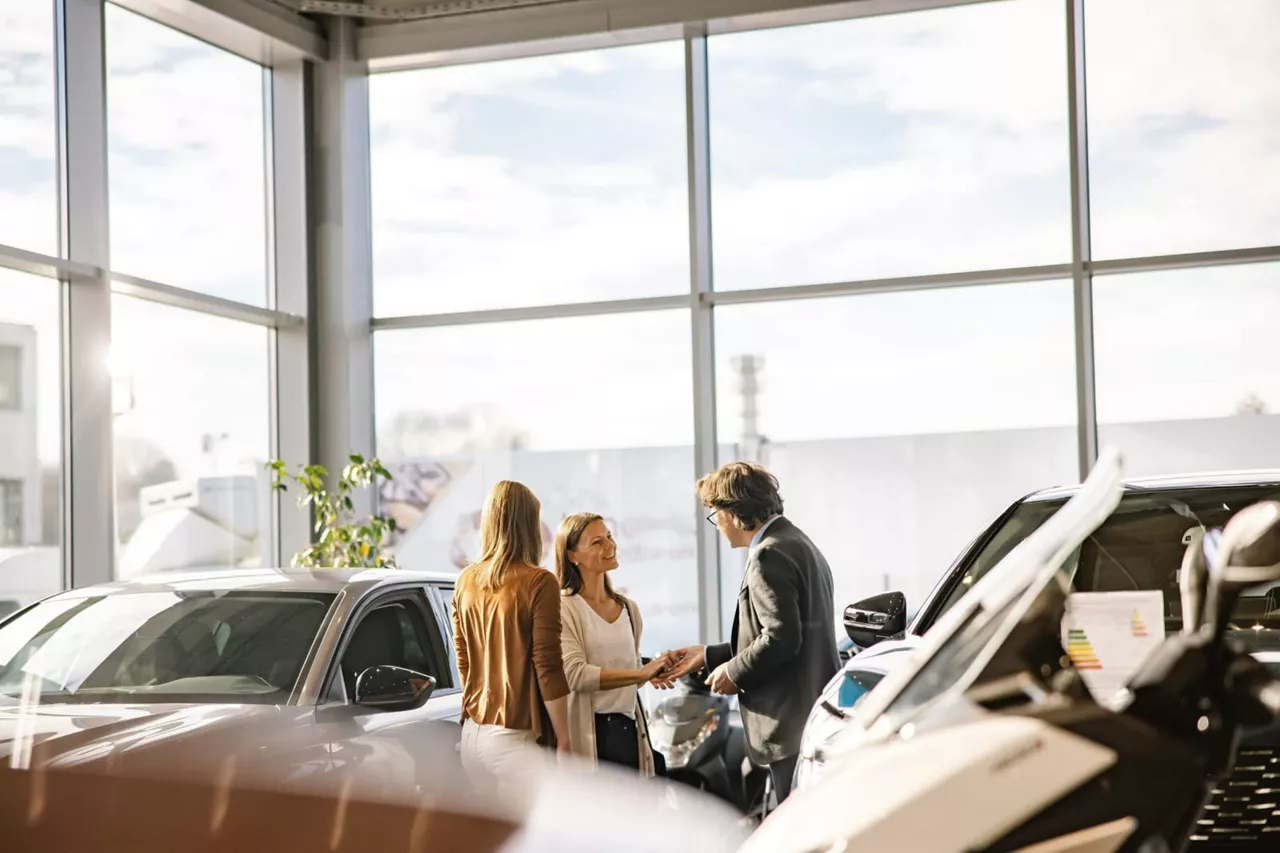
(782, 650)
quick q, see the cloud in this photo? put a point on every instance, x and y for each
(913, 143)
(466, 218)
(28, 129)
(187, 161)
(916, 143)
(188, 209)
(582, 382)
(1197, 187)
(193, 374)
(944, 130)
(892, 364)
(1186, 344)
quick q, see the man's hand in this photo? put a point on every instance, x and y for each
(653, 671)
(688, 659)
(720, 681)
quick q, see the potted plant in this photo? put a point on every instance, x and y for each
(342, 540)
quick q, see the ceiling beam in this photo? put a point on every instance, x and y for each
(258, 30)
(586, 24)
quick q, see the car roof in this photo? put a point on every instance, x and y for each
(1177, 482)
(232, 579)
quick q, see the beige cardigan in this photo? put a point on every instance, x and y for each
(584, 680)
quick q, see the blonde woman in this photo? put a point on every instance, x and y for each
(506, 628)
(601, 642)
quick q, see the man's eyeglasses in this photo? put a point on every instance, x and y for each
(712, 517)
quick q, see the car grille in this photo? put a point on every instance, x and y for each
(1244, 812)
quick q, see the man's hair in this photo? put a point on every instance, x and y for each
(747, 492)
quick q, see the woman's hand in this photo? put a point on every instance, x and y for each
(654, 668)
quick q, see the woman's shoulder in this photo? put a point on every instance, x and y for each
(571, 602)
(466, 577)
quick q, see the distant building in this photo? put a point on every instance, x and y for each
(28, 569)
(19, 454)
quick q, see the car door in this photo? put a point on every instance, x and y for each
(398, 748)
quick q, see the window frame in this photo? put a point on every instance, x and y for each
(440, 597)
(333, 691)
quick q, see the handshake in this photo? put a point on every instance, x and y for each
(663, 670)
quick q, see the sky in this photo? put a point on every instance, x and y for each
(188, 208)
(908, 144)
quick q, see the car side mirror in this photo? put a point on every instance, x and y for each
(393, 688)
(877, 618)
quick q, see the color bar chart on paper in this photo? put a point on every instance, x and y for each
(1138, 627)
(1122, 628)
(1080, 650)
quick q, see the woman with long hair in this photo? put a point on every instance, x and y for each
(506, 629)
(601, 643)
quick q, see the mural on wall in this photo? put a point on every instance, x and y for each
(645, 495)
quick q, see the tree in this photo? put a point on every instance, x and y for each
(1251, 404)
(139, 463)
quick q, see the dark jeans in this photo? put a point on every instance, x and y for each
(781, 772)
(617, 741)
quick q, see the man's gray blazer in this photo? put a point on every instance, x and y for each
(782, 651)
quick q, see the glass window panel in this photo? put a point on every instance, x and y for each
(30, 439)
(186, 151)
(594, 414)
(899, 425)
(1184, 125)
(1188, 368)
(530, 181)
(907, 144)
(28, 127)
(192, 434)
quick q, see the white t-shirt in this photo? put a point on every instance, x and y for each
(611, 645)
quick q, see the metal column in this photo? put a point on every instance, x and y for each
(344, 263)
(88, 464)
(290, 265)
(704, 366)
(1081, 255)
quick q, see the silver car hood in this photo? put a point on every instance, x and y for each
(67, 734)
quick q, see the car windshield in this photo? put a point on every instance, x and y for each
(1140, 547)
(228, 646)
(969, 634)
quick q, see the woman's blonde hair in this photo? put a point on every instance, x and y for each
(567, 538)
(510, 532)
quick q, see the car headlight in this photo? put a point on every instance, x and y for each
(678, 754)
(830, 728)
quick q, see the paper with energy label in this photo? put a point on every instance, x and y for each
(1108, 635)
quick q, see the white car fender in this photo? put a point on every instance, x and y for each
(951, 790)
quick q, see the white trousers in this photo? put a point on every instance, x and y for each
(502, 762)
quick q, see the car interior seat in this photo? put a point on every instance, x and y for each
(377, 641)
